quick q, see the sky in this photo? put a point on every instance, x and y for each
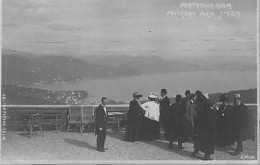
(130, 27)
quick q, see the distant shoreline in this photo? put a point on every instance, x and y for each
(175, 83)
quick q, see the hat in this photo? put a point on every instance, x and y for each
(104, 98)
(187, 92)
(224, 97)
(237, 96)
(206, 95)
(137, 94)
(152, 95)
(192, 95)
(178, 98)
(164, 91)
(198, 92)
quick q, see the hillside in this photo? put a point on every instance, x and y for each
(18, 69)
(248, 96)
(22, 68)
(149, 65)
(17, 95)
(32, 96)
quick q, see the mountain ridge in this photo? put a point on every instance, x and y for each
(22, 68)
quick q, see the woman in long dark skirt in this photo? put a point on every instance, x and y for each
(135, 115)
(151, 130)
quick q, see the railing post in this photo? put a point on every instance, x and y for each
(93, 118)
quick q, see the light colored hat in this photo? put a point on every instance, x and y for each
(206, 95)
(237, 96)
(152, 95)
(137, 94)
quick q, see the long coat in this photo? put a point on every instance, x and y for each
(164, 115)
(190, 115)
(135, 116)
(225, 124)
(178, 130)
(206, 127)
(242, 123)
(101, 118)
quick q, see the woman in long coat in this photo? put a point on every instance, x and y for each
(135, 117)
(179, 125)
(206, 127)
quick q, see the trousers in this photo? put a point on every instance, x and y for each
(101, 137)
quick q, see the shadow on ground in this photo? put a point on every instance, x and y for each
(79, 143)
(159, 144)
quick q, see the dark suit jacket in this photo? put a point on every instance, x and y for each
(164, 106)
(241, 122)
(101, 118)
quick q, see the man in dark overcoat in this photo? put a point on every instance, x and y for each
(101, 123)
(241, 123)
(225, 121)
(135, 116)
(206, 127)
(179, 126)
(164, 113)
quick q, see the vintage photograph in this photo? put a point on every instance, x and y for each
(130, 81)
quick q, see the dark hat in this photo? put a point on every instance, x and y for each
(237, 96)
(164, 91)
(178, 98)
(104, 98)
(192, 95)
(223, 97)
(198, 92)
(137, 94)
(187, 92)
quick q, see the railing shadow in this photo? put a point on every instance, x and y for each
(79, 143)
(226, 149)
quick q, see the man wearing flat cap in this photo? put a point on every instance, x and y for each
(135, 117)
(241, 121)
(164, 111)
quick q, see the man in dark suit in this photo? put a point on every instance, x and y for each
(241, 121)
(164, 114)
(101, 122)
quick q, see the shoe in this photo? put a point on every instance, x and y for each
(207, 158)
(194, 154)
(101, 150)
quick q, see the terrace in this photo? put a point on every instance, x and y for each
(57, 144)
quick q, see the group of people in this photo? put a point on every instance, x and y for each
(192, 118)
